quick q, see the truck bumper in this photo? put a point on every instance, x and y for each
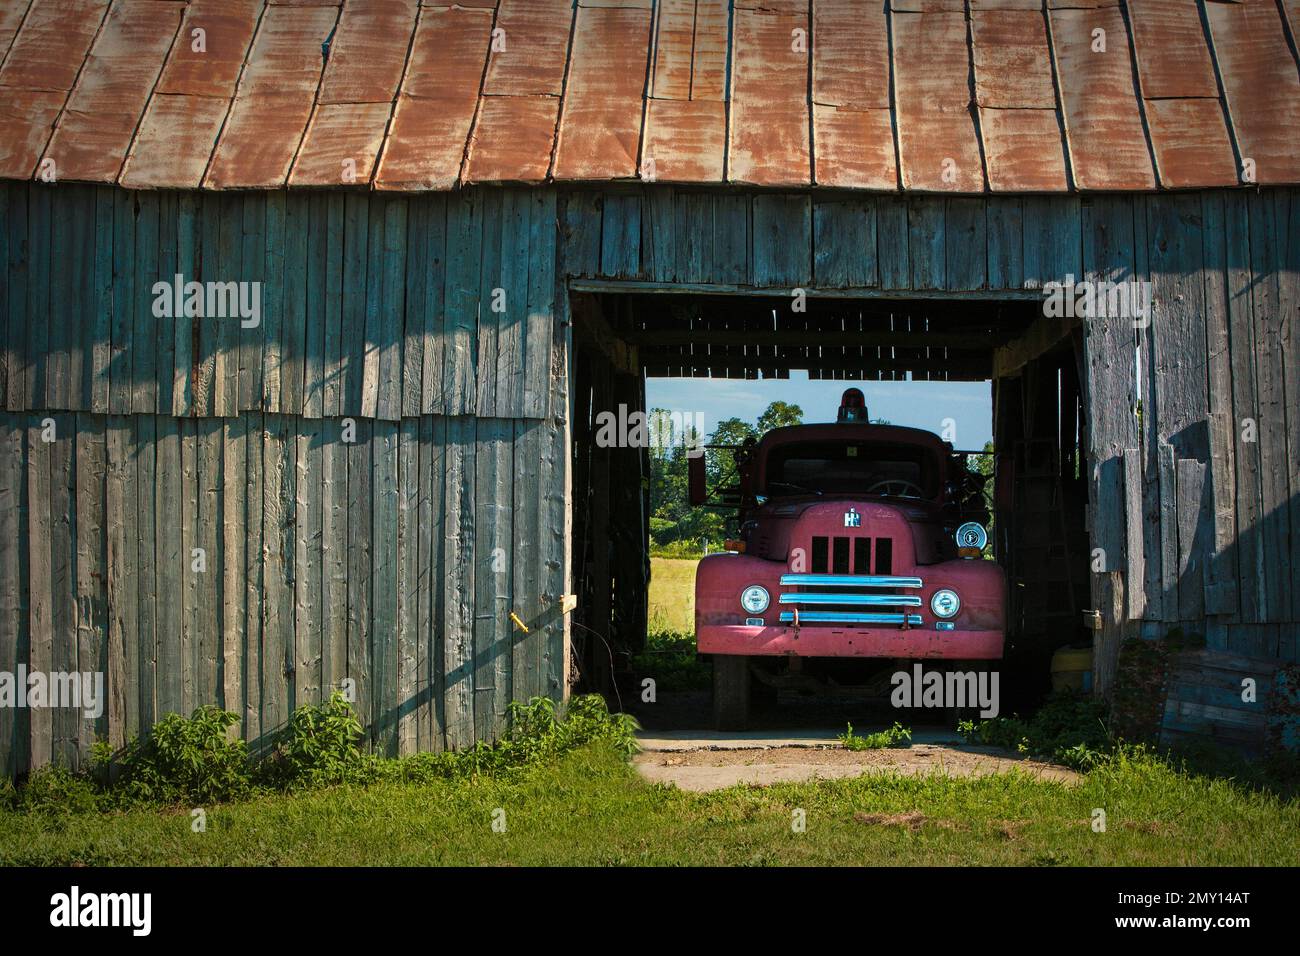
(821, 641)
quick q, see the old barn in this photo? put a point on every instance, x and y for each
(473, 227)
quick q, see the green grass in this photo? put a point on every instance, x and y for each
(672, 595)
(895, 736)
(589, 807)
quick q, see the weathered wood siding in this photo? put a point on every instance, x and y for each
(394, 559)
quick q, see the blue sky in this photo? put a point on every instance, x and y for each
(919, 404)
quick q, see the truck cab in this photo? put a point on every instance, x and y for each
(856, 541)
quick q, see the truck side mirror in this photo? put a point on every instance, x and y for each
(696, 486)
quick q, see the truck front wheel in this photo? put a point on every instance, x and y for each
(731, 684)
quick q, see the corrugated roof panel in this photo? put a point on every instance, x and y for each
(937, 143)
(27, 118)
(1024, 150)
(48, 51)
(512, 139)
(709, 64)
(368, 52)
(1191, 143)
(287, 55)
(928, 6)
(535, 34)
(1013, 63)
(209, 64)
(174, 142)
(1262, 87)
(769, 100)
(600, 120)
(855, 148)
(1172, 56)
(685, 141)
(104, 109)
(431, 124)
(1292, 8)
(1103, 127)
(670, 70)
(340, 145)
(850, 55)
(11, 15)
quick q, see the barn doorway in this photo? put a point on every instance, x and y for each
(623, 337)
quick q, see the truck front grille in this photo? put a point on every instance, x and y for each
(849, 598)
(844, 554)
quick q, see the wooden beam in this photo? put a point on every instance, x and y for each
(591, 330)
(856, 292)
(1041, 337)
(826, 339)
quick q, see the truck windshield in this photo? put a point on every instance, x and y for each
(901, 471)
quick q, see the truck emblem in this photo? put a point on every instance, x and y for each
(852, 519)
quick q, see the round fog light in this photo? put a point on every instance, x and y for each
(945, 603)
(754, 599)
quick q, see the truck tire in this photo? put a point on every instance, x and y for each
(730, 692)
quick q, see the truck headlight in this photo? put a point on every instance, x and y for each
(754, 599)
(972, 535)
(945, 603)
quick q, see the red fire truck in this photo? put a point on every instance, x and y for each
(856, 541)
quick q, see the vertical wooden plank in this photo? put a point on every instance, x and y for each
(256, 642)
(38, 299)
(293, 315)
(7, 350)
(308, 620)
(145, 579)
(15, 548)
(100, 325)
(1134, 552)
(65, 261)
(40, 655)
(429, 667)
(369, 368)
(360, 514)
(384, 584)
(63, 585)
(557, 494)
(541, 305)
(234, 566)
(118, 599)
(208, 361)
(966, 244)
(526, 679)
(491, 286)
(166, 323)
(170, 569)
(336, 248)
(266, 378)
(1245, 411)
(229, 335)
(493, 629)
(1194, 527)
(926, 242)
(731, 238)
(620, 238)
(695, 230)
(257, 256)
(188, 255)
(1169, 530)
(1221, 571)
(334, 496)
(1005, 243)
(392, 305)
(316, 299)
(458, 601)
(510, 375)
(278, 650)
(144, 333)
(782, 240)
(1289, 308)
(353, 342)
(407, 492)
(92, 608)
(844, 243)
(659, 235)
(582, 226)
(892, 243)
(464, 252)
(209, 647)
(432, 395)
(416, 270)
(189, 578)
(17, 272)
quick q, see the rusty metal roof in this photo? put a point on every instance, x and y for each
(962, 96)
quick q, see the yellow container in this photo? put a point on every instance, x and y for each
(1072, 669)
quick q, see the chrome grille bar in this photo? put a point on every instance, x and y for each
(873, 600)
(848, 581)
(848, 617)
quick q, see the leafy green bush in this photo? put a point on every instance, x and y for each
(1068, 729)
(895, 736)
(56, 790)
(181, 760)
(320, 747)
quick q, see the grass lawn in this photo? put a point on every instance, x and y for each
(672, 595)
(590, 807)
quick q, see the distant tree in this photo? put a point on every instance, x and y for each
(778, 415)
